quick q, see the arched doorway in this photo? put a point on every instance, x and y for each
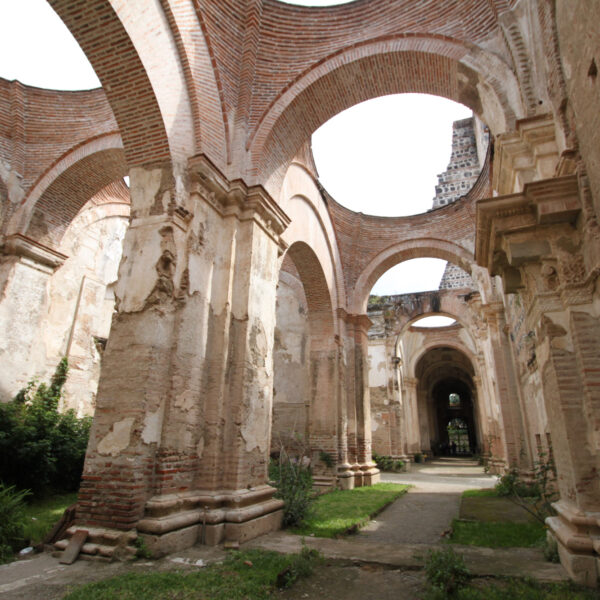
(305, 419)
(447, 403)
(456, 433)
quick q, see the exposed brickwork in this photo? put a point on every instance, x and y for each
(125, 82)
(63, 199)
(48, 124)
(212, 101)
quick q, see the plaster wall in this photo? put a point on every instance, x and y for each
(291, 367)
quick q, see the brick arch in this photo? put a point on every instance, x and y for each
(115, 59)
(110, 141)
(316, 290)
(407, 63)
(405, 250)
(450, 343)
(51, 214)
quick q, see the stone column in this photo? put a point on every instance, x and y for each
(180, 441)
(518, 452)
(357, 328)
(323, 412)
(25, 269)
(548, 255)
(345, 474)
(411, 413)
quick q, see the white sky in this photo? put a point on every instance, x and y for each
(380, 157)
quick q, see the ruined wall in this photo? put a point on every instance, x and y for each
(48, 314)
(291, 367)
(469, 145)
(383, 393)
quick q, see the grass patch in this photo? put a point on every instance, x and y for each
(523, 589)
(487, 493)
(344, 511)
(249, 575)
(41, 515)
(498, 534)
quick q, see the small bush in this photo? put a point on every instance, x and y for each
(418, 457)
(12, 521)
(301, 566)
(550, 549)
(42, 449)
(387, 463)
(511, 485)
(446, 572)
(293, 479)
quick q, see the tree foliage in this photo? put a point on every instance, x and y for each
(42, 449)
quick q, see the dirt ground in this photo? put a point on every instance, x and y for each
(358, 582)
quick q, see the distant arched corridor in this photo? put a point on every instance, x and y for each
(447, 403)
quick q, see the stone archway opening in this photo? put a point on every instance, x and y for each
(448, 414)
(456, 432)
(304, 419)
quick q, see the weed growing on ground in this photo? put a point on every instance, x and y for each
(387, 463)
(292, 476)
(446, 573)
(248, 575)
(12, 521)
(141, 549)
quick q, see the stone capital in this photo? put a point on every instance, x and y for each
(520, 229)
(359, 322)
(235, 198)
(528, 153)
(20, 245)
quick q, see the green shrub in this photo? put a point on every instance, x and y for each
(446, 572)
(42, 449)
(418, 457)
(511, 485)
(12, 521)
(550, 549)
(292, 477)
(387, 463)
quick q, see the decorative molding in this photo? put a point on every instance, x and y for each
(529, 153)
(235, 198)
(546, 202)
(18, 244)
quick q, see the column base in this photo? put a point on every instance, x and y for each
(370, 474)
(324, 483)
(358, 475)
(176, 521)
(579, 552)
(102, 543)
(345, 477)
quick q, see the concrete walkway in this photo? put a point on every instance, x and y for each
(430, 505)
(401, 535)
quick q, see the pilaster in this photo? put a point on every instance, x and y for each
(357, 329)
(180, 443)
(537, 242)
